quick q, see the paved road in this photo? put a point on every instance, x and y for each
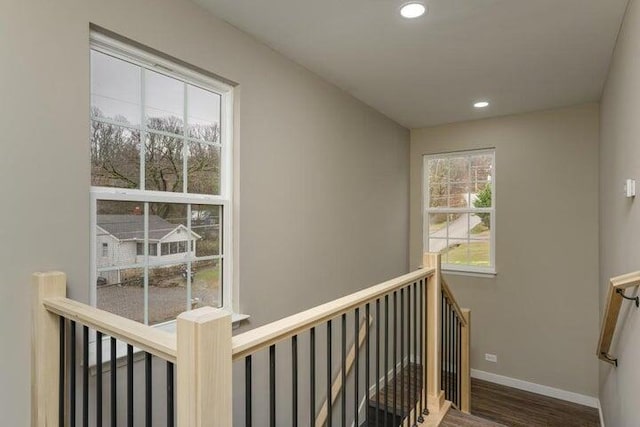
(457, 228)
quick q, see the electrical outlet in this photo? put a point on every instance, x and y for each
(491, 358)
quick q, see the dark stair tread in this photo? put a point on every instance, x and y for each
(410, 374)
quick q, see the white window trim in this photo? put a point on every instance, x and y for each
(457, 268)
(118, 49)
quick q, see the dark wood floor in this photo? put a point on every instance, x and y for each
(495, 403)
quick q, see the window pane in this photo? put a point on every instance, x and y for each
(167, 292)
(458, 228)
(480, 226)
(168, 226)
(121, 292)
(481, 167)
(438, 225)
(204, 114)
(120, 225)
(205, 223)
(164, 102)
(203, 169)
(438, 182)
(437, 245)
(458, 253)
(458, 195)
(482, 197)
(115, 89)
(115, 156)
(206, 287)
(163, 163)
(459, 169)
(474, 253)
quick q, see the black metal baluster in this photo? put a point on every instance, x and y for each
(312, 380)
(449, 367)
(402, 336)
(129, 385)
(442, 343)
(61, 373)
(459, 364)
(114, 382)
(422, 359)
(356, 373)
(72, 380)
(247, 391)
(386, 359)
(377, 362)
(414, 399)
(409, 354)
(294, 380)
(343, 348)
(85, 376)
(148, 389)
(395, 352)
(366, 365)
(329, 375)
(452, 354)
(98, 379)
(272, 385)
(170, 411)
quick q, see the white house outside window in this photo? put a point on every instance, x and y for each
(459, 209)
(160, 185)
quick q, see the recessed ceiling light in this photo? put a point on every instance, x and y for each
(481, 104)
(412, 10)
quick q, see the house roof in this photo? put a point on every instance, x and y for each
(131, 227)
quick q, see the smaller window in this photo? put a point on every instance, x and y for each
(182, 247)
(153, 249)
(459, 209)
(105, 250)
(164, 249)
(139, 248)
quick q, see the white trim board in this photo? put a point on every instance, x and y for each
(544, 390)
(601, 414)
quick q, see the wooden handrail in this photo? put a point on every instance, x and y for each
(447, 291)
(152, 340)
(264, 336)
(612, 311)
(336, 386)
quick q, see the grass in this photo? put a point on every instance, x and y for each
(478, 254)
(479, 228)
(437, 227)
(208, 275)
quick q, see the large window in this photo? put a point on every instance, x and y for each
(160, 185)
(459, 209)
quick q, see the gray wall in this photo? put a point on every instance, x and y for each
(323, 179)
(539, 314)
(620, 218)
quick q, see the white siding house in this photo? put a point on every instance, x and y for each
(120, 243)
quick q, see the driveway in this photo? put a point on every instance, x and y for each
(457, 228)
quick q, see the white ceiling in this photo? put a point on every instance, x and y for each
(522, 55)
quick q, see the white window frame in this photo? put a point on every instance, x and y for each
(426, 210)
(142, 58)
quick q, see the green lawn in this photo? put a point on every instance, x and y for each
(208, 275)
(478, 254)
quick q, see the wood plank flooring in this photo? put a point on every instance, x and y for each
(493, 403)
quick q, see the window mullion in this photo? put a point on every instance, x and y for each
(146, 263)
(143, 130)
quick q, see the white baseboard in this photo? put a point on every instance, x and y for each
(544, 390)
(600, 413)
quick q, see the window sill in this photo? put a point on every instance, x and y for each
(480, 274)
(138, 354)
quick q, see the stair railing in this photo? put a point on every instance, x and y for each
(615, 297)
(401, 355)
(455, 347)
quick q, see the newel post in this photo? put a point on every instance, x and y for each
(45, 349)
(204, 376)
(435, 396)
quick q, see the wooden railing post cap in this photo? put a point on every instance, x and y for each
(204, 315)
